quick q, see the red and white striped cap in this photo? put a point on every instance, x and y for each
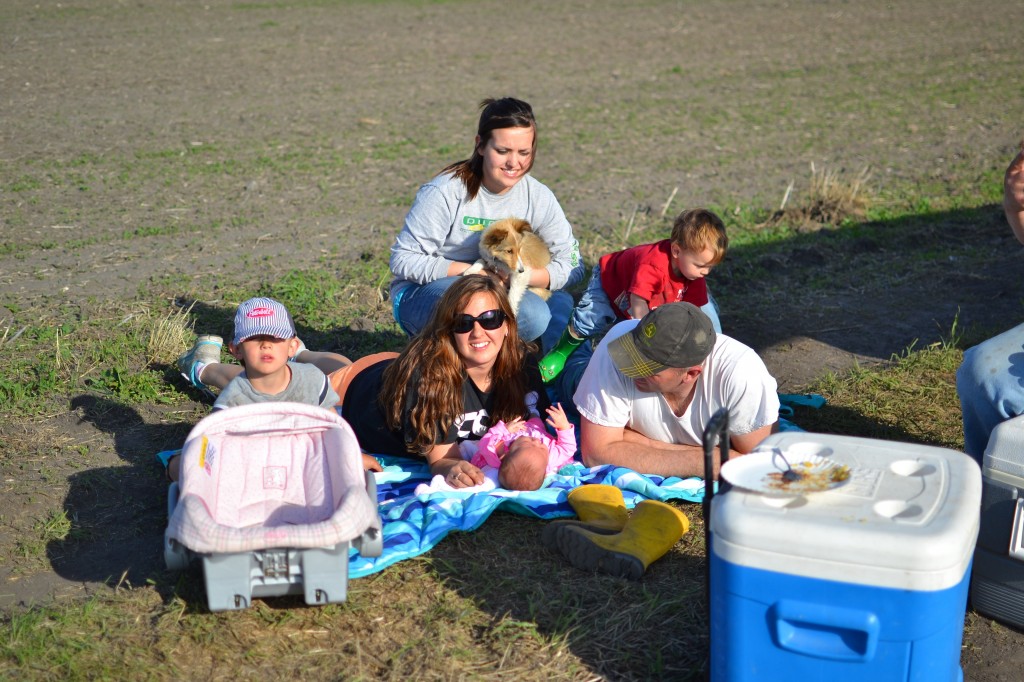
(262, 316)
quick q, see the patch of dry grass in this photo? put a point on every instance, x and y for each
(831, 198)
(169, 336)
(492, 604)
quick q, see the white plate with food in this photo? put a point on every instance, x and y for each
(797, 470)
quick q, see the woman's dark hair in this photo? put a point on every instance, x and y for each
(433, 363)
(496, 114)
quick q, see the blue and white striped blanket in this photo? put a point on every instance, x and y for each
(414, 524)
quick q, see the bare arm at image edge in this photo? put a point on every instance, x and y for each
(1013, 195)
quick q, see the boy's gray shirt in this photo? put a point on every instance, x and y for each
(444, 226)
(308, 385)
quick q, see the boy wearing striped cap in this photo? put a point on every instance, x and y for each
(264, 340)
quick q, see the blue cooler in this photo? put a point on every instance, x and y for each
(867, 580)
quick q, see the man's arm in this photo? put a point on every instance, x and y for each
(744, 443)
(624, 447)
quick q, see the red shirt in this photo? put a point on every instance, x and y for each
(646, 270)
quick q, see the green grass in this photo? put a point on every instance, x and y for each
(477, 605)
(53, 358)
(89, 390)
(912, 400)
(491, 603)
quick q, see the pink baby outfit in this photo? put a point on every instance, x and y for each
(560, 450)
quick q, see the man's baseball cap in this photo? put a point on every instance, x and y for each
(672, 335)
(259, 316)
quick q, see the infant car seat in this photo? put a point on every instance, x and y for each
(271, 498)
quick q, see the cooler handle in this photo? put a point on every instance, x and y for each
(824, 631)
(1017, 533)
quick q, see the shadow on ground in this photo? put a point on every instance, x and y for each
(118, 513)
(654, 628)
(823, 300)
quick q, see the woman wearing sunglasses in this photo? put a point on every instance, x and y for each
(466, 370)
(441, 234)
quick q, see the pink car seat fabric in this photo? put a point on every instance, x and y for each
(271, 475)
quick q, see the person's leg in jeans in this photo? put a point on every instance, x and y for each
(990, 383)
(563, 388)
(560, 304)
(593, 314)
(711, 310)
(533, 317)
(418, 302)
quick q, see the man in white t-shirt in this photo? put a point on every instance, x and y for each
(652, 386)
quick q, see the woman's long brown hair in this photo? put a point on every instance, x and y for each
(432, 360)
(496, 114)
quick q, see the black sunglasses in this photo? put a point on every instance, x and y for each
(489, 320)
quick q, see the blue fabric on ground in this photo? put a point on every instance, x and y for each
(415, 524)
(786, 425)
(788, 400)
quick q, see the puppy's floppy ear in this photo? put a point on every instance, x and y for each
(521, 225)
(495, 235)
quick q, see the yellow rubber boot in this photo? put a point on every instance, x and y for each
(650, 532)
(600, 509)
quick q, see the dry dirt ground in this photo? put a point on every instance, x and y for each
(162, 148)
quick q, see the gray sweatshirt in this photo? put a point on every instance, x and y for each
(443, 226)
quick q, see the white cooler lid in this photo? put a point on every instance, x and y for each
(906, 519)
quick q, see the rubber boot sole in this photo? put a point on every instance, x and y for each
(582, 553)
(549, 536)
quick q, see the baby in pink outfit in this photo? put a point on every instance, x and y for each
(524, 452)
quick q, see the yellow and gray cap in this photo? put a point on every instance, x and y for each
(262, 316)
(672, 335)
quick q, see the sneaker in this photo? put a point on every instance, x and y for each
(205, 351)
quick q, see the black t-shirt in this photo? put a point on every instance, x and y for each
(362, 410)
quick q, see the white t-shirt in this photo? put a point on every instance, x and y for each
(734, 376)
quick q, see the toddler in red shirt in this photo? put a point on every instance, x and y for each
(630, 283)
